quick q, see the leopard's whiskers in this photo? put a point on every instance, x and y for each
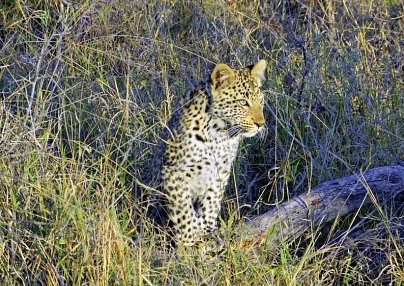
(234, 131)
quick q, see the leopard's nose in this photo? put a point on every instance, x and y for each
(258, 116)
(259, 123)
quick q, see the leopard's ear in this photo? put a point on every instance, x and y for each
(258, 71)
(222, 76)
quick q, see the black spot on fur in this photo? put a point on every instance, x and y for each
(199, 138)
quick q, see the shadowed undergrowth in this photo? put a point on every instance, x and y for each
(87, 88)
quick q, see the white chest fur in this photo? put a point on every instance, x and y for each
(211, 161)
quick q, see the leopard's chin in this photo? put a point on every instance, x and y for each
(250, 133)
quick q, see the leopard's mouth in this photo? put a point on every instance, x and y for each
(252, 132)
(245, 131)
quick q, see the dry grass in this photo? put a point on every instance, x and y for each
(86, 89)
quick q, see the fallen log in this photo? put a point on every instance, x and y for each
(332, 199)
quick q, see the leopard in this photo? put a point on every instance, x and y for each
(202, 145)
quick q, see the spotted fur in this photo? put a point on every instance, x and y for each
(203, 145)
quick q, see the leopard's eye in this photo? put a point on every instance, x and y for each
(243, 102)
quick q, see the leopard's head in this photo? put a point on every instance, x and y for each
(237, 98)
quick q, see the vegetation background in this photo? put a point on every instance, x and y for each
(87, 86)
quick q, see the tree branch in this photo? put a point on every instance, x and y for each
(326, 202)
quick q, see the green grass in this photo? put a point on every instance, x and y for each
(87, 88)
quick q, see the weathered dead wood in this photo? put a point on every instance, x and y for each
(332, 199)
